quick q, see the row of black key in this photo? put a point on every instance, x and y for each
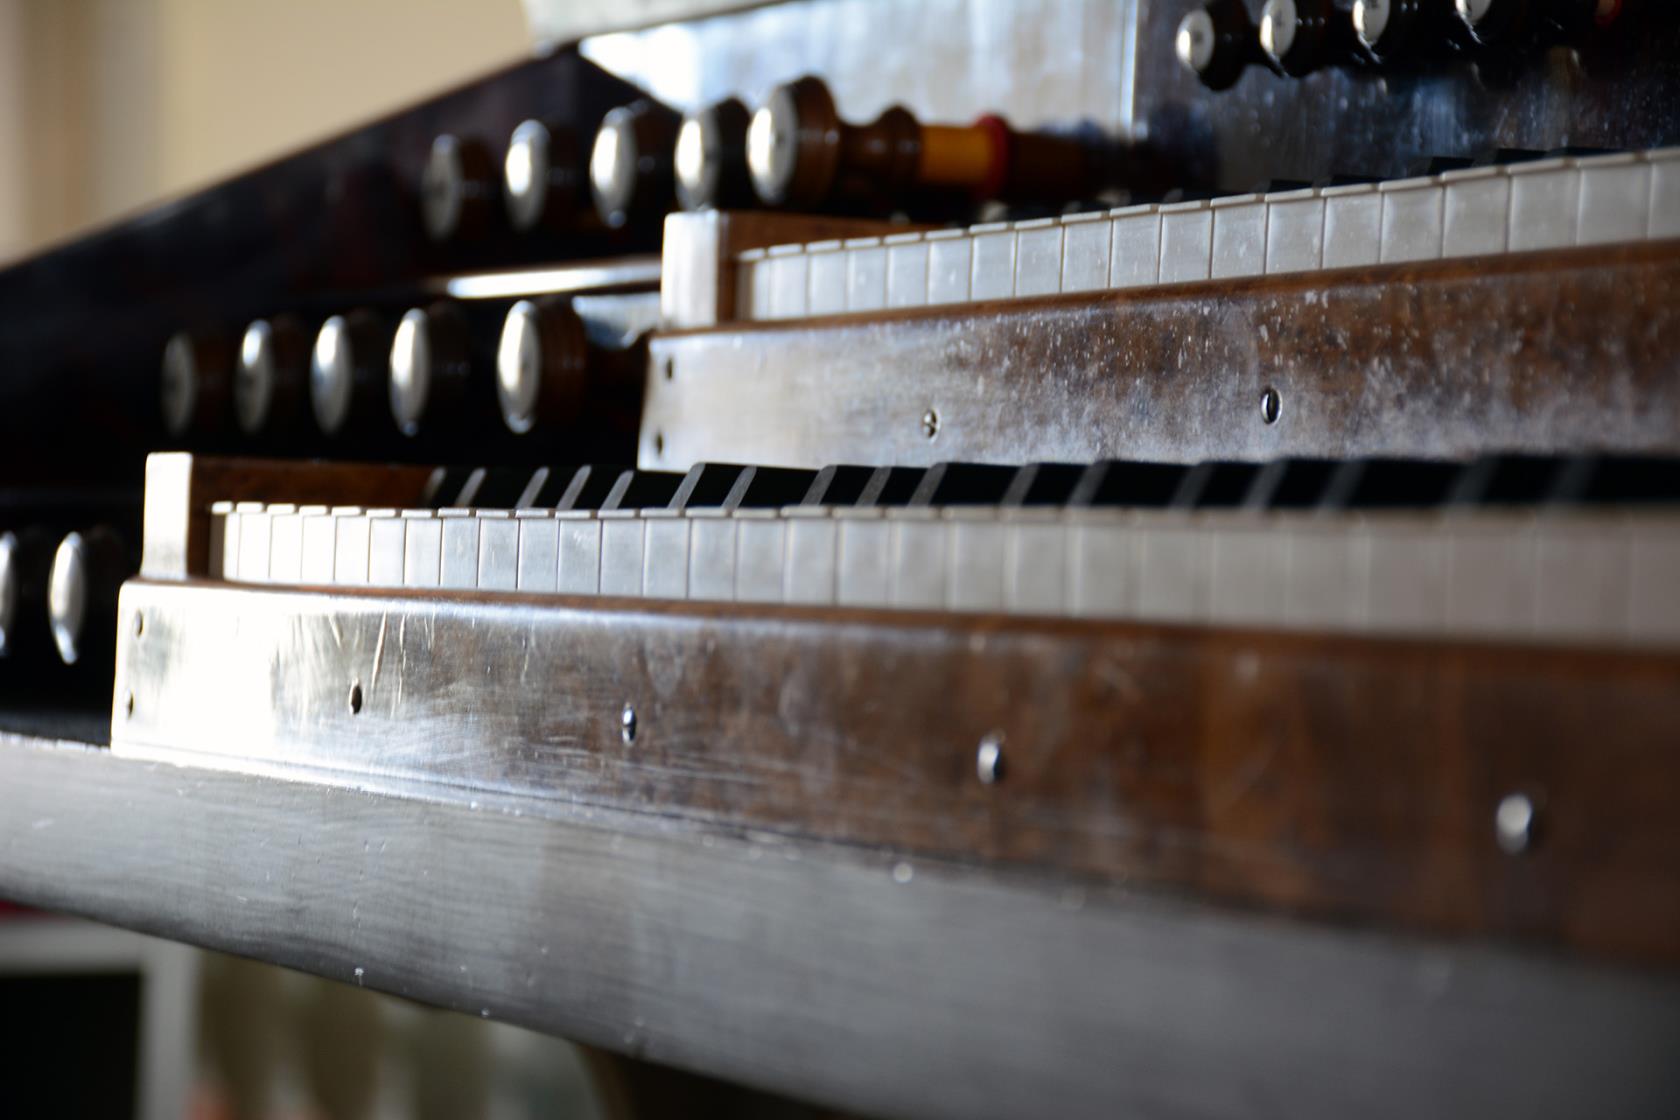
(1285, 484)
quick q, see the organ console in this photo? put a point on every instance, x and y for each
(835, 605)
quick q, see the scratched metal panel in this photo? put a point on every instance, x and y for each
(1111, 63)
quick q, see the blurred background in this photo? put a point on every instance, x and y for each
(107, 105)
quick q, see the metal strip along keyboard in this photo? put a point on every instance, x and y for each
(1479, 211)
(1605, 572)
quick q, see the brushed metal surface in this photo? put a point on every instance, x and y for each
(872, 983)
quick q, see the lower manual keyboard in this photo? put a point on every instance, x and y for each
(1601, 572)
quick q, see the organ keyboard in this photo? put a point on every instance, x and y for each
(1004, 617)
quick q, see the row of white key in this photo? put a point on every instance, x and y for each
(1546, 204)
(1611, 577)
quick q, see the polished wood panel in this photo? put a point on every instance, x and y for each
(1341, 777)
(1570, 350)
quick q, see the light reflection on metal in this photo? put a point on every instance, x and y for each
(624, 273)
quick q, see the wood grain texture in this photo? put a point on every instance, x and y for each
(1562, 351)
(848, 977)
(1331, 776)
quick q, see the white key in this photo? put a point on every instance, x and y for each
(285, 545)
(1085, 245)
(1352, 225)
(1174, 570)
(811, 571)
(1104, 568)
(255, 523)
(458, 567)
(711, 555)
(907, 270)
(1586, 573)
(319, 548)
(1491, 574)
(1037, 564)
(665, 554)
(1615, 199)
(350, 547)
(1654, 599)
(1475, 211)
(1038, 257)
(539, 550)
(788, 269)
(1294, 232)
(224, 536)
(752, 285)
(621, 553)
(1186, 242)
(1545, 204)
(950, 256)
(992, 272)
(826, 272)
(760, 551)
(1329, 573)
(1411, 220)
(977, 559)
(422, 549)
(863, 575)
(1408, 565)
(1135, 255)
(580, 554)
(1665, 194)
(1239, 236)
(385, 548)
(1250, 577)
(918, 559)
(498, 551)
(866, 274)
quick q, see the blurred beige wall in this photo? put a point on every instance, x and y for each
(106, 105)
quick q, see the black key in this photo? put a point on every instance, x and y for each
(1616, 480)
(1504, 480)
(1215, 485)
(1043, 484)
(768, 488)
(493, 488)
(444, 486)
(1289, 484)
(545, 488)
(891, 486)
(1117, 483)
(838, 485)
(590, 487)
(1390, 484)
(706, 485)
(963, 484)
(642, 490)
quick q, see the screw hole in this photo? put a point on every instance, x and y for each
(139, 624)
(659, 443)
(356, 698)
(627, 724)
(930, 423)
(988, 760)
(670, 368)
(1271, 405)
(128, 705)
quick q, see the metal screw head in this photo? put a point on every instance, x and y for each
(128, 705)
(627, 724)
(356, 698)
(1271, 405)
(1514, 823)
(930, 423)
(988, 760)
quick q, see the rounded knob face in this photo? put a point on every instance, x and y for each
(525, 174)
(1279, 21)
(411, 371)
(331, 374)
(179, 385)
(1474, 12)
(773, 146)
(253, 380)
(1370, 20)
(1194, 43)
(9, 593)
(697, 158)
(67, 596)
(443, 186)
(519, 367)
(612, 166)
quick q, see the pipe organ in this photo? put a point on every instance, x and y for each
(982, 558)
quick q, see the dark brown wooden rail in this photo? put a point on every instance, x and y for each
(1343, 777)
(1568, 350)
